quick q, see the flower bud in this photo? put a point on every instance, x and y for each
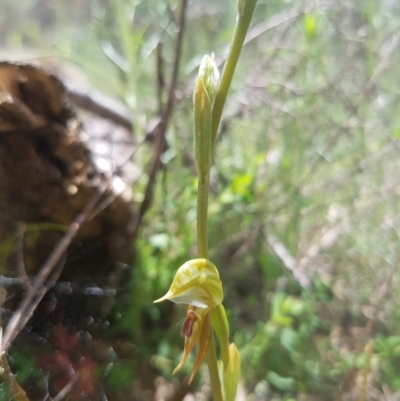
(203, 98)
(231, 374)
(209, 75)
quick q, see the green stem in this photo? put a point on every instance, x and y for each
(213, 370)
(239, 35)
(202, 211)
(245, 13)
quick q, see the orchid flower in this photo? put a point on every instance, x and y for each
(197, 284)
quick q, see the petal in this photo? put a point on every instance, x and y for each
(190, 341)
(204, 342)
(189, 344)
(195, 296)
(168, 295)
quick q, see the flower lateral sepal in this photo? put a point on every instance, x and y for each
(196, 328)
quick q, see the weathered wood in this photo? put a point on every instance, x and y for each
(46, 172)
(47, 177)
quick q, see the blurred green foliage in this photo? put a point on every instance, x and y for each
(308, 152)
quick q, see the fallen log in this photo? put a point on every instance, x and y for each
(66, 220)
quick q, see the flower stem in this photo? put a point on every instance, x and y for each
(213, 370)
(239, 35)
(245, 13)
(202, 210)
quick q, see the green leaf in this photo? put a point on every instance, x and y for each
(288, 339)
(280, 382)
(221, 328)
(241, 184)
(293, 306)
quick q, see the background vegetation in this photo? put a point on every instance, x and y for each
(304, 212)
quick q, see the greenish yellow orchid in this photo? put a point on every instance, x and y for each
(197, 284)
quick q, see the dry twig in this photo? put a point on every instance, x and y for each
(98, 105)
(48, 274)
(161, 128)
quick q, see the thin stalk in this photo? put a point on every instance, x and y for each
(202, 244)
(242, 25)
(245, 13)
(213, 370)
(202, 215)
